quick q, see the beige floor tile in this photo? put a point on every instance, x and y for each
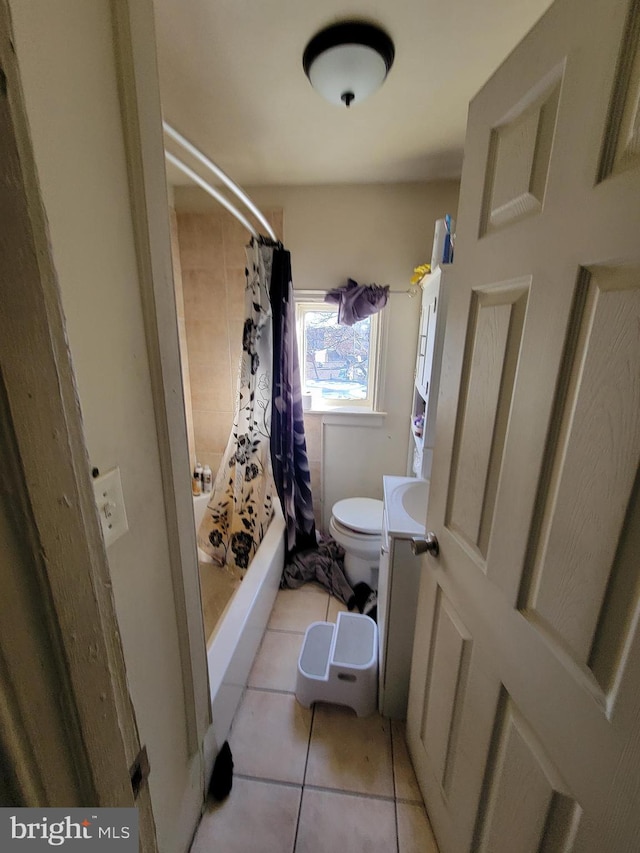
(350, 754)
(331, 822)
(414, 830)
(404, 777)
(296, 609)
(255, 816)
(335, 607)
(276, 663)
(270, 736)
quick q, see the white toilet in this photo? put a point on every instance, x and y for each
(356, 524)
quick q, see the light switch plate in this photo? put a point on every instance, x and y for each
(108, 493)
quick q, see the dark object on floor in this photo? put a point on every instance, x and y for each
(222, 776)
(365, 599)
(324, 564)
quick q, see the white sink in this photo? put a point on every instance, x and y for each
(406, 505)
(414, 500)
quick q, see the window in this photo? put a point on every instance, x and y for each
(338, 364)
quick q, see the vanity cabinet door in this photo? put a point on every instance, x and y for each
(384, 580)
(397, 603)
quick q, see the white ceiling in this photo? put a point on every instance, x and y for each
(231, 80)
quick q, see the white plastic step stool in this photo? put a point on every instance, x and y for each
(339, 664)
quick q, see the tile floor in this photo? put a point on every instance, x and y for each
(312, 781)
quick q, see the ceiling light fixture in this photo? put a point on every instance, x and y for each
(349, 61)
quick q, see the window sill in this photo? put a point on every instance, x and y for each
(349, 416)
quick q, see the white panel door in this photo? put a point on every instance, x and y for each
(524, 708)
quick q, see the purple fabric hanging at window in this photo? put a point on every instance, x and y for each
(357, 301)
(288, 446)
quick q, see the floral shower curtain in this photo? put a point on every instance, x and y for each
(288, 445)
(241, 504)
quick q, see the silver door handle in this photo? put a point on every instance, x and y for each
(428, 543)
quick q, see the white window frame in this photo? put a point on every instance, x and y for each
(313, 300)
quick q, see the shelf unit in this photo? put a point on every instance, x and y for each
(427, 374)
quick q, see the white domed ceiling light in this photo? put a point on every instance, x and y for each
(349, 61)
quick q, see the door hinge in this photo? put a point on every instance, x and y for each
(139, 772)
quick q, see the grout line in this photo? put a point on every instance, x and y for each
(280, 782)
(271, 690)
(320, 788)
(361, 794)
(304, 776)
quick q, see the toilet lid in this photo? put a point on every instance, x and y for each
(364, 515)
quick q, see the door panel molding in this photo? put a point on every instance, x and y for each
(519, 155)
(586, 498)
(526, 805)
(496, 323)
(621, 148)
(446, 687)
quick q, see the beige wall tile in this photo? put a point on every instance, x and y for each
(211, 383)
(211, 430)
(315, 470)
(213, 460)
(200, 238)
(235, 238)
(212, 258)
(236, 283)
(205, 301)
(235, 351)
(313, 436)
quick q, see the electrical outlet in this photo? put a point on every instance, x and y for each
(113, 517)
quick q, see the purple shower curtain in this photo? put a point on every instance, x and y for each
(288, 446)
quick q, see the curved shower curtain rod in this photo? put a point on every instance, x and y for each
(217, 171)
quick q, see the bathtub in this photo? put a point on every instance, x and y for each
(232, 647)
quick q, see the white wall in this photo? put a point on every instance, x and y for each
(372, 233)
(65, 53)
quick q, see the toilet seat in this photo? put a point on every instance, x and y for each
(360, 516)
(356, 524)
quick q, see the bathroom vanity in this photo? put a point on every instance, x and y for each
(404, 516)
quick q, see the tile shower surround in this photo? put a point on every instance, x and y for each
(209, 263)
(312, 781)
(212, 263)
